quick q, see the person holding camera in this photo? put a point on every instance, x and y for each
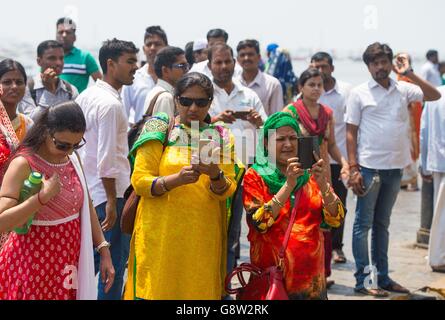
(276, 185)
(378, 149)
(178, 247)
(316, 120)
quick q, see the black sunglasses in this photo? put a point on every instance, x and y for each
(64, 146)
(184, 66)
(200, 103)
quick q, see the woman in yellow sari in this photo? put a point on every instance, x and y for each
(178, 246)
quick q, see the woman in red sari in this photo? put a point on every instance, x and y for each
(315, 119)
(269, 198)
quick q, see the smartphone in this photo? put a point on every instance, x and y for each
(204, 150)
(306, 148)
(241, 115)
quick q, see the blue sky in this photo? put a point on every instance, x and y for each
(412, 26)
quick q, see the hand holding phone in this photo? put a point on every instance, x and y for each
(241, 115)
(306, 148)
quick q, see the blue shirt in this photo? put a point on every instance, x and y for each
(432, 137)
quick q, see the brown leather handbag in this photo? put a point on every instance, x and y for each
(131, 198)
(267, 284)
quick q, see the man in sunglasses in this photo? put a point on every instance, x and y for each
(170, 65)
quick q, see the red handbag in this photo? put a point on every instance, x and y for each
(265, 284)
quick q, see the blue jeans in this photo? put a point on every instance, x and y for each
(120, 247)
(233, 241)
(374, 211)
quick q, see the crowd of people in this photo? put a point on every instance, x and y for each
(219, 140)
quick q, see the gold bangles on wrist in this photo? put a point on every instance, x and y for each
(336, 198)
(277, 202)
(221, 190)
(327, 192)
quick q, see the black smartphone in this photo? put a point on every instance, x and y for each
(306, 148)
(241, 115)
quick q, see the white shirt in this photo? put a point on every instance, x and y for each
(268, 90)
(383, 119)
(432, 138)
(105, 153)
(336, 99)
(430, 72)
(165, 102)
(45, 98)
(203, 67)
(133, 97)
(240, 99)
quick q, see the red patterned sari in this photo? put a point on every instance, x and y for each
(304, 261)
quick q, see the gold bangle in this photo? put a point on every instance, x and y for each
(277, 202)
(326, 193)
(336, 198)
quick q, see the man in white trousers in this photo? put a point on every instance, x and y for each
(432, 143)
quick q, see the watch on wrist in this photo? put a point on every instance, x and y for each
(219, 177)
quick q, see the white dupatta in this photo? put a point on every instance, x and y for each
(86, 280)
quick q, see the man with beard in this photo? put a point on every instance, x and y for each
(265, 86)
(47, 89)
(145, 79)
(79, 64)
(230, 99)
(106, 165)
(378, 149)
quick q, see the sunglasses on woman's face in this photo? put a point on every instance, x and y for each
(64, 146)
(200, 103)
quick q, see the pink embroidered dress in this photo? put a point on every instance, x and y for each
(41, 264)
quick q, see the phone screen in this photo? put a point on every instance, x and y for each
(242, 115)
(204, 149)
(306, 148)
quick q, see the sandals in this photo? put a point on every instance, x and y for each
(395, 287)
(338, 256)
(378, 293)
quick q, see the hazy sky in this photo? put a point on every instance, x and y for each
(408, 25)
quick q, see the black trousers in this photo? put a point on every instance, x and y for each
(342, 193)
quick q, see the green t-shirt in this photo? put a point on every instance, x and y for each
(79, 66)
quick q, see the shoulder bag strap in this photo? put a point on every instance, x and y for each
(152, 103)
(289, 228)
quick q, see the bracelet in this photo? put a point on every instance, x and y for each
(163, 185)
(277, 202)
(104, 244)
(40, 200)
(222, 190)
(330, 204)
(326, 193)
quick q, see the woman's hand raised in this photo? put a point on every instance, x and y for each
(293, 172)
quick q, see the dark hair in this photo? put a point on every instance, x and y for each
(66, 21)
(308, 74)
(194, 79)
(45, 45)
(189, 53)
(431, 53)
(158, 31)
(249, 43)
(218, 33)
(113, 49)
(320, 56)
(166, 57)
(9, 65)
(218, 47)
(67, 116)
(377, 50)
